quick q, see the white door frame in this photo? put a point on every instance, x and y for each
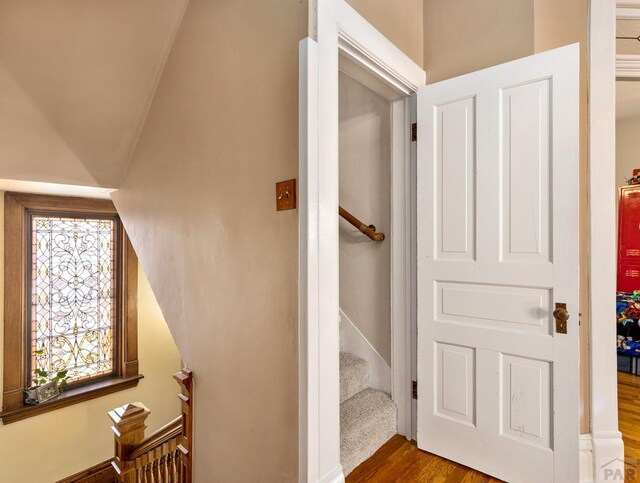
(340, 31)
(606, 440)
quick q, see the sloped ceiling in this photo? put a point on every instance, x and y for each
(76, 80)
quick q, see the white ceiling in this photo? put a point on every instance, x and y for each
(76, 80)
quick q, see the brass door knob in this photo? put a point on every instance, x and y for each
(561, 314)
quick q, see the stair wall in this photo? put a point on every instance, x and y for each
(198, 203)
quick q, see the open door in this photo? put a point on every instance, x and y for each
(497, 248)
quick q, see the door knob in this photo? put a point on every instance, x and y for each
(561, 316)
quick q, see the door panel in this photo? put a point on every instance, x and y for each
(497, 248)
(455, 369)
(525, 129)
(456, 162)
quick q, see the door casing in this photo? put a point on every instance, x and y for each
(343, 34)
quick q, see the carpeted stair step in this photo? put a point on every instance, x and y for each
(354, 375)
(367, 421)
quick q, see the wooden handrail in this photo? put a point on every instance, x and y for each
(368, 230)
(162, 435)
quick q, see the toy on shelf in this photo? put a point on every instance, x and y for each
(635, 179)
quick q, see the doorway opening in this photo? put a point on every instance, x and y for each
(350, 48)
(628, 268)
(368, 415)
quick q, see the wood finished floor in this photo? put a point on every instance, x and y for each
(400, 460)
(629, 422)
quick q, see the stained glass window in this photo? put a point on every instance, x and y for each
(72, 295)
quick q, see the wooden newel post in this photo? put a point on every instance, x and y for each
(128, 428)
(185, 446)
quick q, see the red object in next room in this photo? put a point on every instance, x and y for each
(629, 239)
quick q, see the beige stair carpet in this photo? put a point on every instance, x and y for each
(354, 375)
(368, 417)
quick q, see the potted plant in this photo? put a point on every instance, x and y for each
(45, 386)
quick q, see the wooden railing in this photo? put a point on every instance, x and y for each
(368, 230)
(162, 457)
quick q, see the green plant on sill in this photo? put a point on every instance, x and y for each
(43, 377)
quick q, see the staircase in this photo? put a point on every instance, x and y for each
(368, 417)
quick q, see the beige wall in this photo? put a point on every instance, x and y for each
(627, 148)
(400, 21)
(199, 205)
(557, 24)
(365, 169)
(462, 36)
(45, 448)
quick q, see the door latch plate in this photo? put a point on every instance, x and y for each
(561, 316)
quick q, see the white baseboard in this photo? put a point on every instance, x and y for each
(354, 342)
(586, 459)
(336, 476)
(607, 457)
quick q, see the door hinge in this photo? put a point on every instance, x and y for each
(415, 389)
(414, 132)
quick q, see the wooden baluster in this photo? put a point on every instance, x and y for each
(149, 469)
(145, 468)
(167, 465)
(160, 467)
(157, 455)
(152, 468)
(185, 442)
(138, 471)
(165, 459)
(176, 465)
(128, 428)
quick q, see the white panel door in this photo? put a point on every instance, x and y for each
(497, 248)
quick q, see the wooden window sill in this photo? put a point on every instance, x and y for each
(71, 396)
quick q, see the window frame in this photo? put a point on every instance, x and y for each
(18, 208)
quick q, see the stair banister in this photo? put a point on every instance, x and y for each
(167, 432)
(162, 457)
(128, 428)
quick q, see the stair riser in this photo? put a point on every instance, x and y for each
(368, 420)
(354, 376)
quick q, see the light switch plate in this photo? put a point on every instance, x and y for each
(286, 195)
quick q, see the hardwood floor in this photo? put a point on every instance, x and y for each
(401, 461)
(629, 422)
